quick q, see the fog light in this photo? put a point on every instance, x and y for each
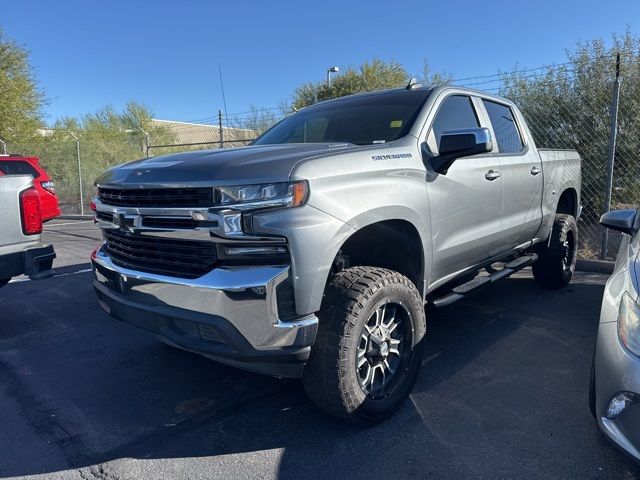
(199, 216)
(239, 251)
(619, 403)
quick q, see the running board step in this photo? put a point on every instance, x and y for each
(461, 291)
(473, 284)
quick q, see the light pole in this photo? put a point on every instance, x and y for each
(331, 70)
(79, 172)
(146, 141)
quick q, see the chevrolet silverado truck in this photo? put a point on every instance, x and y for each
(313, 252)
(21, 251)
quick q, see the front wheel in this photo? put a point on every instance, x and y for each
(557, 259)
(368, 349)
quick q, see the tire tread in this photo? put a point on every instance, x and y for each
(346, 295)
(548, 271)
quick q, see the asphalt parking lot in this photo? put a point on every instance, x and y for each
(502, 394)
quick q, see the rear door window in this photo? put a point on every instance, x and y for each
(18, 167)
(504, 127)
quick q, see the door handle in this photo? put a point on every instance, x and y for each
(492, 175)
(535, 171)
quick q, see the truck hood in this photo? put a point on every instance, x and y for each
(247, 165)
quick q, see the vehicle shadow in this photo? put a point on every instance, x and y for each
(502, 393)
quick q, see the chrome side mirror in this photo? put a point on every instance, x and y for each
(459, 143)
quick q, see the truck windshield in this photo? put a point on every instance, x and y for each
(360, 120)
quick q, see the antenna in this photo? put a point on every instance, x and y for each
(224, 99)
(413, 83)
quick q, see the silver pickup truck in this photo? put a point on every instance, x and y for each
(313, 252)
(21, 251)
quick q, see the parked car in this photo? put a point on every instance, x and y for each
(312, 252)
(614, 395)
(21, 250)
(19, 165)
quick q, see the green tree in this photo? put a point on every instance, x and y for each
(568, 106)
(21, 100)
(106, 138)
(374, 75)
(429, 77)
(256, 120)
(370, 76)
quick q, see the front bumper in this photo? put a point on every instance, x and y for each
(617, 370)
(230, 314)
(35, 262)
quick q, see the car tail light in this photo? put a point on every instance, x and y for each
(30, 212)
(49, 186)
(94, 253)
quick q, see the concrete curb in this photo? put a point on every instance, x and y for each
(75, 217)
(595, 266)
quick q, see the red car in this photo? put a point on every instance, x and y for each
(18, 165)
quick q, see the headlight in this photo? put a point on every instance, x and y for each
(629, 324)
(265, 195)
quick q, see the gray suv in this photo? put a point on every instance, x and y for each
(312, 252)
(615, 375)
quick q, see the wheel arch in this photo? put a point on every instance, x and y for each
(568, 202)
(395, 244)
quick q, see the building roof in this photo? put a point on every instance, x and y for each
(188, 132)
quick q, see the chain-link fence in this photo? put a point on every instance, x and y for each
(75, 159)
(589, 104)
(220, 132)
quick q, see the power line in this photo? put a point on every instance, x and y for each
(499, 74)
(224, 99)
(495, 78)
(203, 120)
(257, 110)
(542, 67)
(519, 77)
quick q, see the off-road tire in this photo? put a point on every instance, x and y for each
(330, 377)
(555, 264)
(4, 281)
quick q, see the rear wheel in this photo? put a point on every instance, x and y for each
(368, 350)
(4, 281)
(557, 259)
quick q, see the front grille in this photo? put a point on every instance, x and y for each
(169, 222)
(157, 197)
(162, 256)
(104, 216)
(173, 223)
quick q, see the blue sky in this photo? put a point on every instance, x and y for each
(166, 53)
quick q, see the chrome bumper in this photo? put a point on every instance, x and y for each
(229, 314)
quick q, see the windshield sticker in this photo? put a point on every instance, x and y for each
(395, 124)
(393, 156)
